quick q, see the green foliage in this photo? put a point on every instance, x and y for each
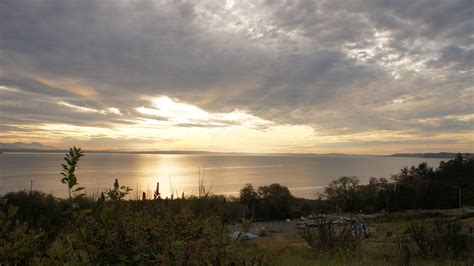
(343, 192)
(275, 201)
(458, 173)
(441, 238)
(271, 202)
(40, 211)
(118, 192)
(249, 197)
(331, 238)
(419, 187)
(69, 177)
(422, 187)
(113, 231)
(191, 231)
(18, 245)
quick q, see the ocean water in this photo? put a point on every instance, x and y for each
(305, 175)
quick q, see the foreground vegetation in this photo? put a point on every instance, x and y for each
(36, 228)
(401, 238)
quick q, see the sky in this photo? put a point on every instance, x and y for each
(342, 76)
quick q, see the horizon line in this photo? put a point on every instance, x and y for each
(402, 154)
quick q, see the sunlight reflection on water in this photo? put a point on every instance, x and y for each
(225, 174)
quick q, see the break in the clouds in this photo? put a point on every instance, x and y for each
(287, 76)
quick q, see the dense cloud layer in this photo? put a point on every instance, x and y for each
(341, 67)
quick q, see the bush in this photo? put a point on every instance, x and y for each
(18, 245)
(192, 231)
(331, 238)
(440, 239)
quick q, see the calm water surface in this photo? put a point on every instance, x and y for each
(224, 174)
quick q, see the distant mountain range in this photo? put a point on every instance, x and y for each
(38, 147)
(442, 155)
(22, 145)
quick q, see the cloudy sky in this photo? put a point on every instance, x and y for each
(252, 76)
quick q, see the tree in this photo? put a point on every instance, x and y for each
(369, 194)
(249, 197)
(458, 174)
(343, 192)
(412, 186)
(275, 200)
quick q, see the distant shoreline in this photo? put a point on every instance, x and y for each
(442, 155)
(439, 155)
(184, 152)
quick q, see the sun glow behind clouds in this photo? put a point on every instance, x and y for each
(173, 112)
(168, 124)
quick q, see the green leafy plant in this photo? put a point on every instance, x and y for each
(69, 177)
(118, 192)
(79, 214)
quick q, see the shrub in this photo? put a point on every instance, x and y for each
(37, 209)
(18, 245)
(331, 238)
(441, 238)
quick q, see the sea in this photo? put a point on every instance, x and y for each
(305, 175)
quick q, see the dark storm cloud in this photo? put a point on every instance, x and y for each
(339, 66)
